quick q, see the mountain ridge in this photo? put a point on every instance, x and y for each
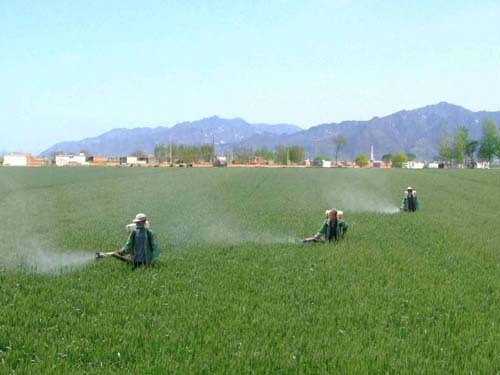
(417, 131)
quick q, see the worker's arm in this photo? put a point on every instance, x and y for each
(343, 227)
(154, 245)
(322, 230)
(127, 248)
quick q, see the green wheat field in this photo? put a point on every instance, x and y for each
(234, 293)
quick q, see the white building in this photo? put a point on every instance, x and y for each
(131, 160)
(63, 160)
(134, 160)
(142, 161)
(413, 165)
(327, 164)
(479, 165)
(15, 160)
(433, 165)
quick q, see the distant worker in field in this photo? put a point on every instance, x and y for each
(141, 247)
(410, 200)
(333, 228)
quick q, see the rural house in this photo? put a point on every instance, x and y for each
(22, 160)
(71, 160)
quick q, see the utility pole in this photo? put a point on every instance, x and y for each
(287, 156)
(171, 162)
(213, 149)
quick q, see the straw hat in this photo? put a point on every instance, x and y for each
(139, 217)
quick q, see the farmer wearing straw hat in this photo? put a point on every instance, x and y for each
(333, 228)
(410, 201)
(141, 248)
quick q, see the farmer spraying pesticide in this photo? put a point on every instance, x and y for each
(141, 247)
(410, 200)
(333, 228)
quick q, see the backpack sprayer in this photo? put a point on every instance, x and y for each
(131, 227)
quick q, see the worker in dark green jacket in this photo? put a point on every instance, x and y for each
(409, 202)
(333, 228)
(141, 247)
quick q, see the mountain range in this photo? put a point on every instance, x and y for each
(417, 131)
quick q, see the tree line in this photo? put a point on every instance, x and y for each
(283, 155)
(175, 153)
(458, 148)
(178, 153)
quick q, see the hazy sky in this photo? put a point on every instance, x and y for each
(74, 69)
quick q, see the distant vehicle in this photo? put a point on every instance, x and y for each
(316, 163)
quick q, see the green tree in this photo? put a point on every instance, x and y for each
(264, 153)
(339, 142)
(361, 160)
(398, 160)
(296, 154)
(445, 148)
(460, 142)
(286, 154)
(489, 144)
(470, 150)
(206, 152)
(280, 155)
(161, 152)
(174, 151)
(321, 158)
(184, 153)
(187, 154)
(242, 155)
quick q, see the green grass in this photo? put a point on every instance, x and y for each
(403, 293)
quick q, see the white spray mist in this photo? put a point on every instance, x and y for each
(34, 256)
(362, 197)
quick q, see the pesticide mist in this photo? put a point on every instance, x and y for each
(27, 243)
(364, 201)
(364, 197)
(31, 256)
(221, 231)
(369, 203)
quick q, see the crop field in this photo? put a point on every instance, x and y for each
(234, 293)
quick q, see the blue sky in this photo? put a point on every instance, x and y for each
(75, 69)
